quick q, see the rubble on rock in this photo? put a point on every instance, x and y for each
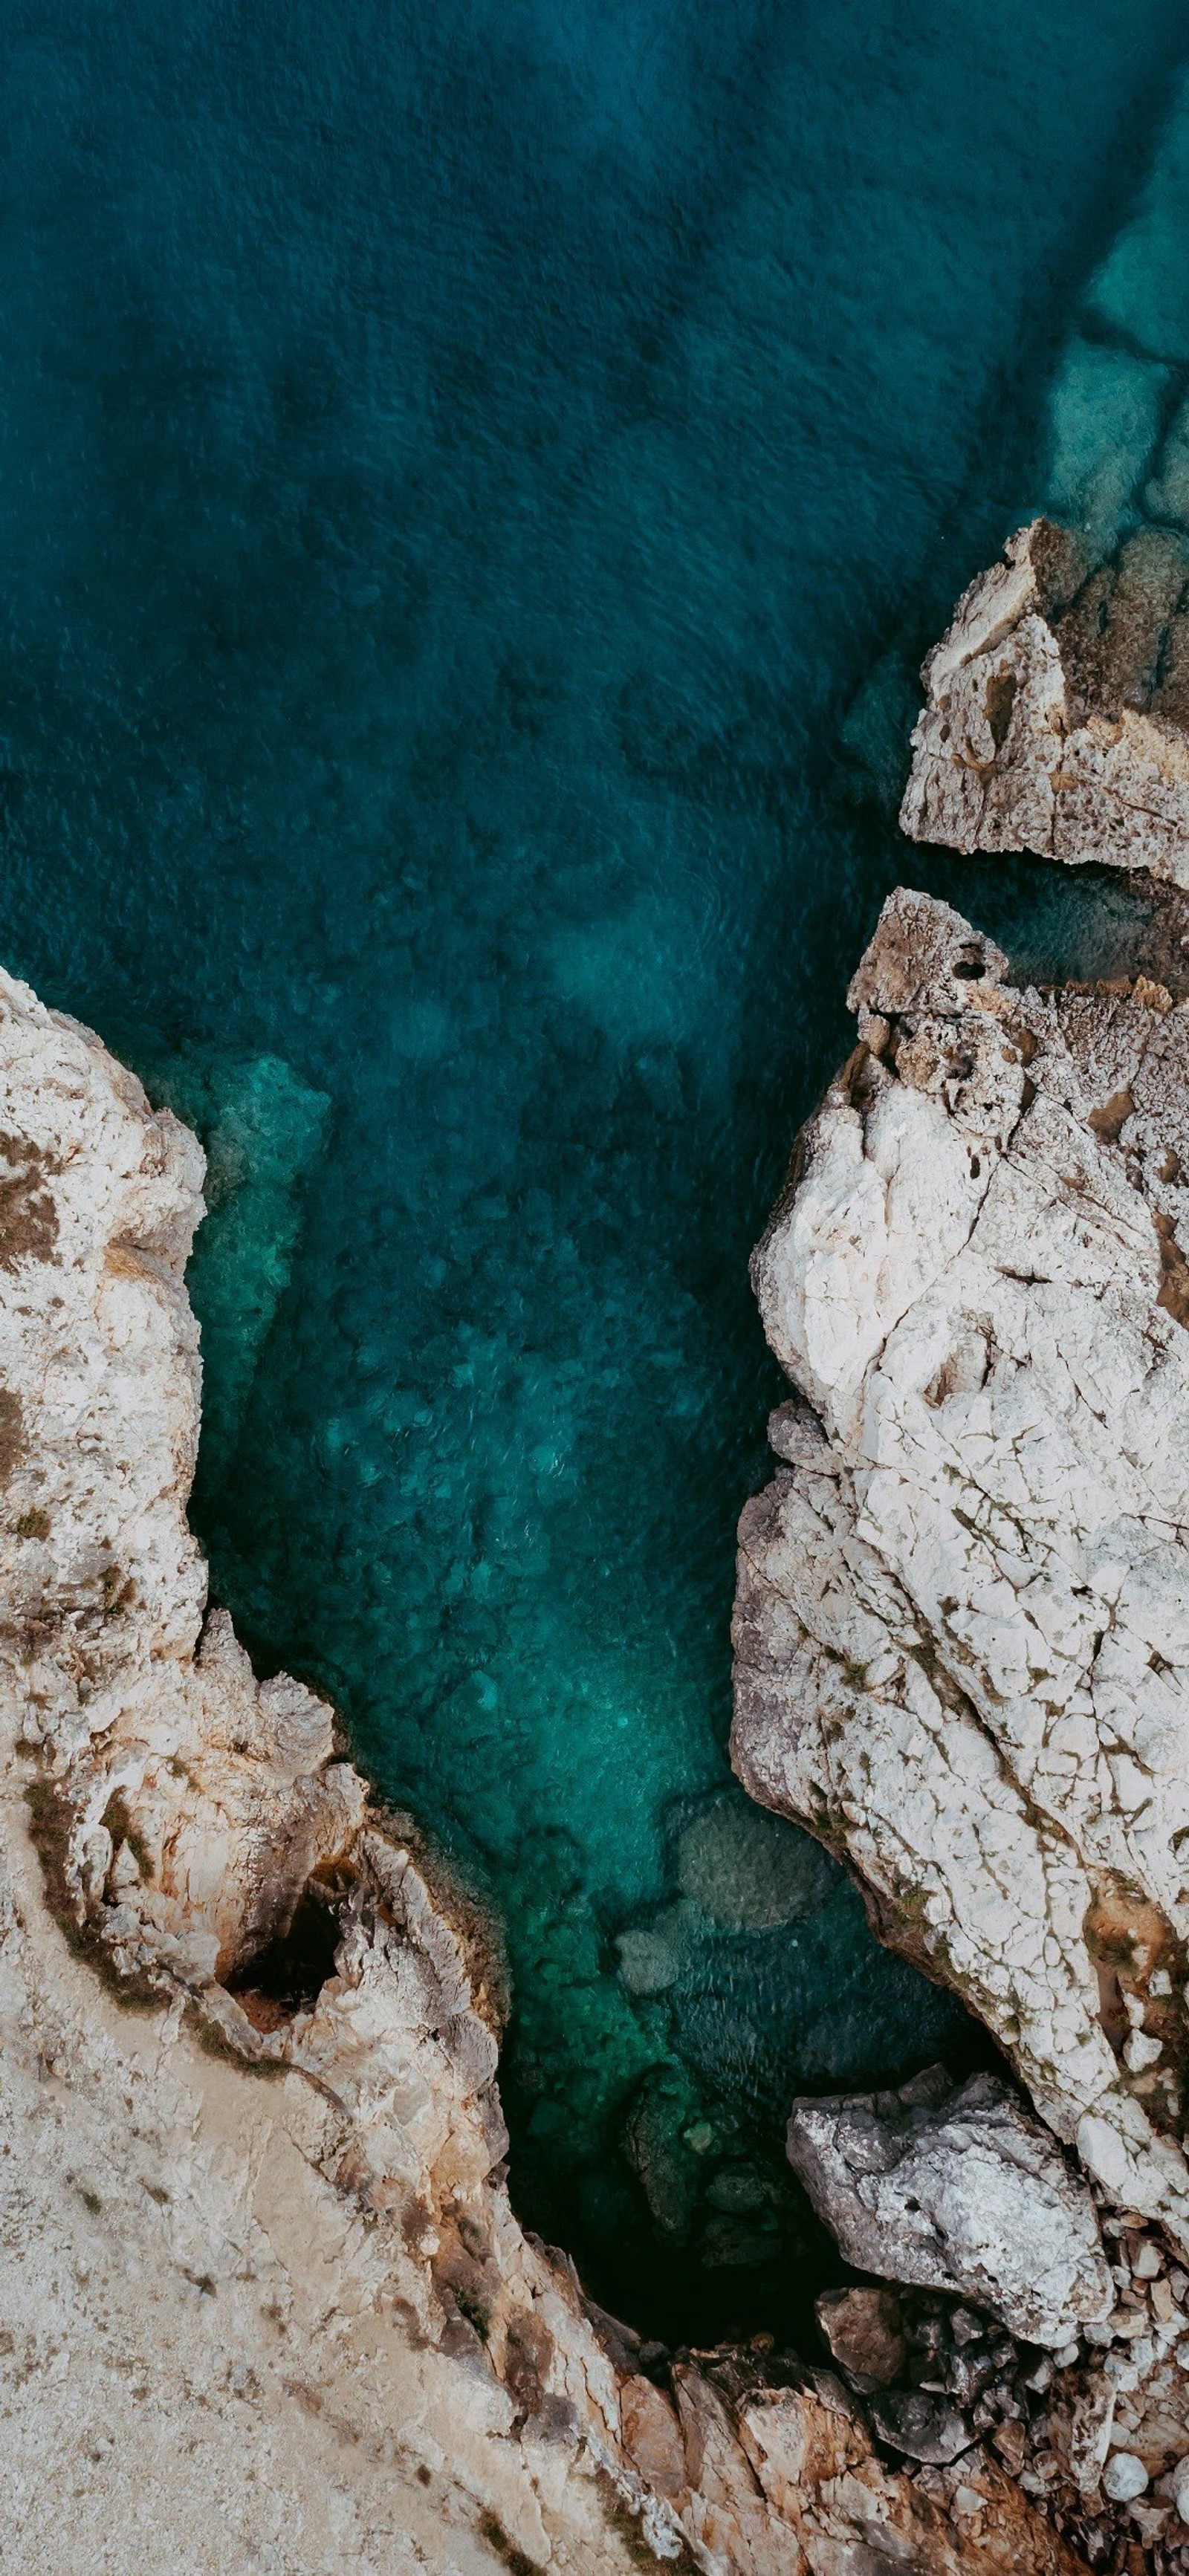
(269, 2267)
(961, 2390)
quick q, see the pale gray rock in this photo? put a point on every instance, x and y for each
(962, 1617)
(957, 2188)
(1124, 2477)
(1055, 709)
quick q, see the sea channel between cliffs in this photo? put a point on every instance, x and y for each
(960, 1634)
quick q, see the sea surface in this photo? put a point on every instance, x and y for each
(474, 482)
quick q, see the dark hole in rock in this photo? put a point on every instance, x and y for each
(288, 1975)
(970, 970)
(1001, 698)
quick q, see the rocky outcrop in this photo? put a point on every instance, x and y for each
(961, 1604)
(960, 1656)
(264, 2299)
(956, 2188)
(1056, 705)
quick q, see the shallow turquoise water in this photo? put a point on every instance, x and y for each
(458, 467)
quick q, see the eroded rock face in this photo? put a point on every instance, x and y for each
(961, 1645)
(1055, 709)
(956, 2188)
(325, 2265)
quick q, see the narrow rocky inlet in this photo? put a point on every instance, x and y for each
(261, 2248)
(260, 2259)
(479, 489)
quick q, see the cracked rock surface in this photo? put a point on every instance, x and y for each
(962, 1618)
(1056, 705)
(957, 2188)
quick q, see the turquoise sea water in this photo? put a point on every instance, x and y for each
(457, 469)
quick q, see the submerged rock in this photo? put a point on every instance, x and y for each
(961, 1630)
(651, 1954)
(745, 1871)
(957, 2188)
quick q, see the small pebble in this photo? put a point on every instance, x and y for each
(875, 1031)
(1160, 1982)
(1124, 2477)
(1179, 2487)
(1147, 2262)
(1066, 2357)
(1142, 2051)
(1009, 2440)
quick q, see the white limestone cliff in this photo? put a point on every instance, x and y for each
(961, 1624)
(962, 1659)
(264, 2301)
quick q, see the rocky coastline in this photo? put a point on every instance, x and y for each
(960, 1607)
(266, 2299)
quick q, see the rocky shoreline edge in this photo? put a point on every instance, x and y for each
(266, 2300)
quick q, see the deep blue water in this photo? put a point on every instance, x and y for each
(457, 467)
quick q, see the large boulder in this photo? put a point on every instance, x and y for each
(957, 2188)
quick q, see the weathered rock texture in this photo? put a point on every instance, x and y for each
(1055, 708)
(956, 2188)
(962, 1658)
(961, 1626)
(263, 2300)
